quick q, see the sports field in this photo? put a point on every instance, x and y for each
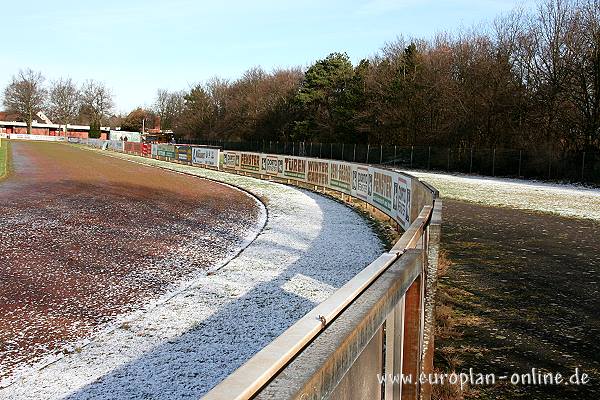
(84, 238)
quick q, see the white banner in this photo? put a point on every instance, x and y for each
(205, 156)
(340, 176)
(45, 138)
(271, 164)
(401, 199)
(231, 160)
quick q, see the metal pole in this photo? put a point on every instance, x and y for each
(311, 149)
(331, 151)
(381, 154)
(471, 164)
(429, 158)
(293, 148)
(320, 150)
(342, 151)
(368, 151)
(412, 152)
(354, 157)
(395, 155)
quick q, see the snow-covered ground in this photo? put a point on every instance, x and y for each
(561, 199)
(186, 344)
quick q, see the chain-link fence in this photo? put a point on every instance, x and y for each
(529, 164)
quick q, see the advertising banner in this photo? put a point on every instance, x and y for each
(146, 149)
(231, 160)
(318, 172)
(184, 153)
(166, 150)
(271, 164)
(44, 138)
(250, 162)
(294, 168)
(401, 199)
(362, 183)
(205, 156)
(132, 147)
(382, 189)
(115, 145)
(340, 176)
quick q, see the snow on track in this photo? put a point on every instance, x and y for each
(183, 347)
(561, 199)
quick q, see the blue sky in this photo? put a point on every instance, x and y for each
(136, 47)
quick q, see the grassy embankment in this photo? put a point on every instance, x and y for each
(3, 158)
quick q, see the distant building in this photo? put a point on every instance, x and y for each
(78, 131)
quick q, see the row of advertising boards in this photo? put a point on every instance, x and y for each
(188, 154)
(388, 191)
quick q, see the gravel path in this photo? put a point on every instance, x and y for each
(181, 348)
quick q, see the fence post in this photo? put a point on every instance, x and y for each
(381, 154)
(494, 162)
(311, 149)
(354, 157)
(412, 151)
(368, 151)
(583, 168)
(395, 155)
(471, 163)
(429, 158)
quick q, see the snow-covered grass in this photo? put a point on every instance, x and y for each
(561, 199)
(182, 347)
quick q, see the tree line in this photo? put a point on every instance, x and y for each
(528, 79)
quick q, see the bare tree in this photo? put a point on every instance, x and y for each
(97, 102)
(169, 106)
(25, 95)
(64, 101)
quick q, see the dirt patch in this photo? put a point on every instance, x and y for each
(522, 292)
(84, 238)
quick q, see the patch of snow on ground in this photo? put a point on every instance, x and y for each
(181, 348)
(561, 199)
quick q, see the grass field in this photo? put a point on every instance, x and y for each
(3, 158)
